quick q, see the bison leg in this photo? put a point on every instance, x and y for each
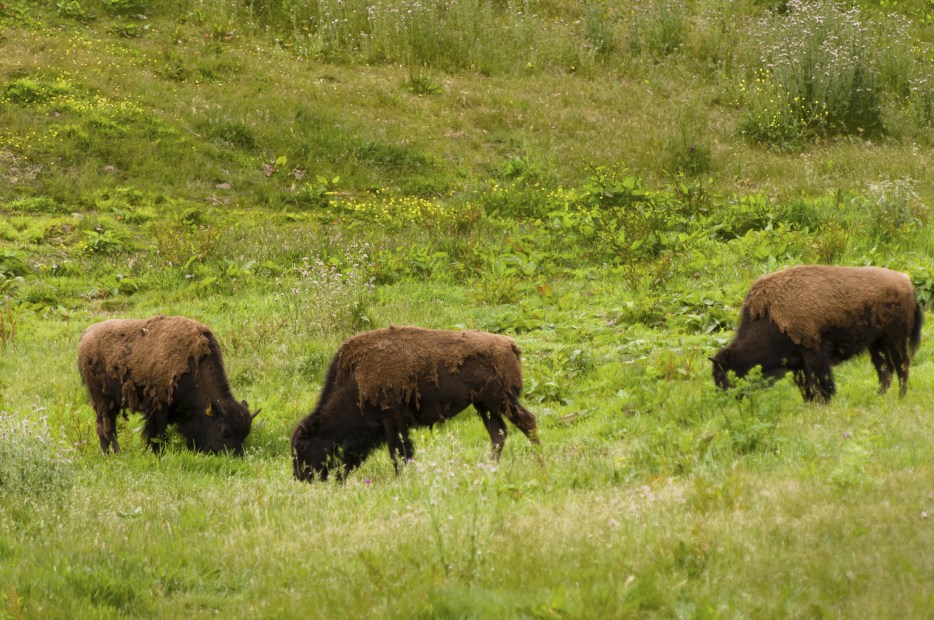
(817, 378)
(884, 367)
(902, 362)
(107, 412)
(155, 430)
(496, 427)
(399, 443)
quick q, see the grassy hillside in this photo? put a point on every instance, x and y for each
(601, 181)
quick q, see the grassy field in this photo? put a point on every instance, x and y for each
(600, 181)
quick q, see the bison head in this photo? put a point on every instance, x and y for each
(223, 427)
(311, 450)
(322, 443)
(721, 365)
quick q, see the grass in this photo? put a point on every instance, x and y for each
(576, 177)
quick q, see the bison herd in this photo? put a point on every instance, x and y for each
(383, 383)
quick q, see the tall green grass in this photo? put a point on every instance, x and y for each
(571, 175)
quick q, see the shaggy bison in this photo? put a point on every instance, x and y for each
(170, 369)
(807, 319)
(384, 382)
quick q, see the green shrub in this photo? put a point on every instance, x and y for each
(32, 462)
(27, 91)
(328, 297)
(11, 265)
(233, 133)
(103, 241)
(818, 76)
(892, 209)
(658, 28)
(37, 204)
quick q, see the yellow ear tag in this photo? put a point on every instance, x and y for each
(209, 411)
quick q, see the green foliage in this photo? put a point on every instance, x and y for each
(892, 209)
(33, 464)
(658, 27)
(37, 204)
(29, 91)
(316, 194)
(73, 9)
(751, 414)
(922, 278)
(234, 133)
(103, 241)
(127, 7)
(327, 297)
(11, 265)
(688, 149)
(419, 84)
(819, 75)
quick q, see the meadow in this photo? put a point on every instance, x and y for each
(600, 181)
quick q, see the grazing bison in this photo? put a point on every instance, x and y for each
(170, 369)
(384, 382)
(807, 319)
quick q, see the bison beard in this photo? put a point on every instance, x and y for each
(807, 319)
(383, 383)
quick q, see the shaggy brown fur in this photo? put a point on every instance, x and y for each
(382, 383)
(804, 301)
(808, 318)
(388, 363)
(169, 368)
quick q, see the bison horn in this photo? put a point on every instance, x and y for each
(253, 417)
(714, 361)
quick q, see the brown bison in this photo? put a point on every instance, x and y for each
(807, 319)
(384, 382)
(169, 368)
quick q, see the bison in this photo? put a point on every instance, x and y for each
(169, 368)
(807, 319)
(382, 383)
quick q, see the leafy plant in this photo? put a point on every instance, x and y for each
(419, 84)
(317, 194)
(73, 9)
(103, 241)
(499, 283)
(750, 416)
(11, 265)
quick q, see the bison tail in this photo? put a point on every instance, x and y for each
(915, 340)
(522, 418)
